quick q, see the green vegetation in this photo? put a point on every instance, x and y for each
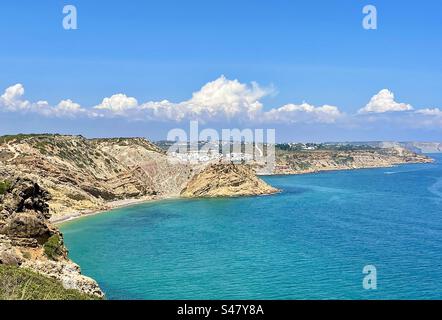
(42, 148)
(23, 284)
(343, 160)
(21, 137)
(304, 165)
(4, 186)
(53, 248)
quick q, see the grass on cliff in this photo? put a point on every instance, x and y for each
(4, 186)
(22, 284)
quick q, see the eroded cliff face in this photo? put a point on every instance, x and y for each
(300, 162)
(29, 240)
(85, 175)
(226, 180)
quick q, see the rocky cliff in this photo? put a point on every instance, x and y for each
(29, 240)
(300, 162)
(85, 175)
(226, 180)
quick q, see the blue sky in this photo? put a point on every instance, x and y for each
(296, 51)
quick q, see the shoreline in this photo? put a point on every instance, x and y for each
(298, 173)
(131, 202)
(112, 205)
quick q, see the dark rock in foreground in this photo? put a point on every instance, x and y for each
(29, 240)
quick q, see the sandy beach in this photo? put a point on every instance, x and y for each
(112, 205)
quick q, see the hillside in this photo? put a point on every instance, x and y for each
(326, 159)
(221, 180)
(84, 175)
(23, 284)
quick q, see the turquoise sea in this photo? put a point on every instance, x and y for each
(309, 242)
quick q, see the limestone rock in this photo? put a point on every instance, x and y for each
(25, 195)
(8, 254)
(226, 180)
(68, 273)
(27, 225)
(29, 240)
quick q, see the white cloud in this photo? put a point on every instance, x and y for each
(292, 113)
(227, 97)
(13, 93)
(218, 100)
(165, 110)
(68, 108)
(430, 112)
(384, 102)
(12, 100)
(224, 99)
(118, 103)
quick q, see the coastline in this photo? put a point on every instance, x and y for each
(112, 205)
(309, 171)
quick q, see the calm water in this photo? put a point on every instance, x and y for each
(311, 241)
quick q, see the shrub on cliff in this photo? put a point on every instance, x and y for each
(4, 186)
(53, 248)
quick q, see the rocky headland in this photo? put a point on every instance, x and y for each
(225, 180)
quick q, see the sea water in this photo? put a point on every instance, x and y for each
(311, 241)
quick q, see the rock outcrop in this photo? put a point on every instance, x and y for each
(29, 240)
(84, 175)
(9, 255)
(68, 273)
(226, 180)
(24, 211)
